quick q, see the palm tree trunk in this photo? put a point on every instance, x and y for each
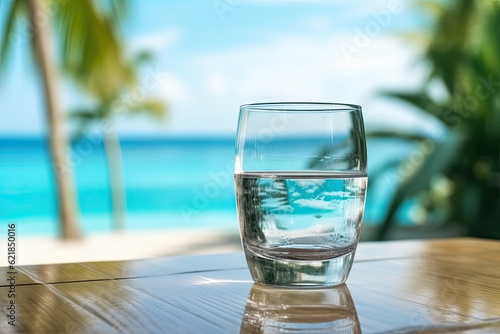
(57, 137)
(114, 161)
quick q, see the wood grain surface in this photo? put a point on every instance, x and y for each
(441, 286)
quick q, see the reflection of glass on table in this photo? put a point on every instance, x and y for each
(283, 310)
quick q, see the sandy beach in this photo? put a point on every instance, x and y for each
(123, 246)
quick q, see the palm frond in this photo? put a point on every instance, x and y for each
(7, 39)
(393, 134)
(464, 54)
(383, 168)
(117, 9)
(439, 160)
(446, 49)
(83, 114)
(141, 58)
(91, 53)
(421, 100)
(150, 106)
(83, 119)
(434, 8)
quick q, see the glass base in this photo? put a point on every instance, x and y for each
(302, 273)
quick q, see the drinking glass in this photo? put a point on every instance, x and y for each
(300, 184)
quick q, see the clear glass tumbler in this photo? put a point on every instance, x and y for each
(300, 183)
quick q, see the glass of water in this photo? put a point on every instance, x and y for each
(300, 183)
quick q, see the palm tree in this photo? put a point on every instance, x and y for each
(105, 113)
(464, 54)
(83, 32)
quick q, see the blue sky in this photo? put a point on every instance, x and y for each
(252, 51)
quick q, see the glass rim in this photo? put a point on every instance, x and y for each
(300, 107)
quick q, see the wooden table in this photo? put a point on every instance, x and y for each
(442, 286)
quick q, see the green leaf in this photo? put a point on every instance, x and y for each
(446, 50)
(463, 54)
(118, 9)
(420, 100)
(83, 114)
(83, 119)
(439, 160)
(7, 39)
(91, 52)
(152, 107)
(376, 174)
(141, 58)
(395, 134)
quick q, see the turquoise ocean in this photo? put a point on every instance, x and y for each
(171, 183)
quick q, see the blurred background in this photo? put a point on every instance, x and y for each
(120, 115)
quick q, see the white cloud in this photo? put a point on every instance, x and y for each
(318, 22)
(216, 83)
(173, 89)
(283, 1)
(304, 68)
(206, 97)
(156, 41)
